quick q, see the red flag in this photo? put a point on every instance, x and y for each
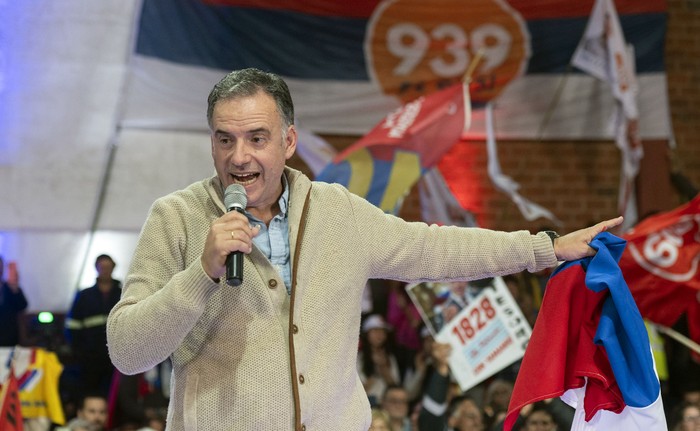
(10, 409)
(430, 125)
(385, 163)
(660, 265)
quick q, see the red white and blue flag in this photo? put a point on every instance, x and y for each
(350, 63)
(590, 347)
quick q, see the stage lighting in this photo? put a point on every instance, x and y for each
(45, 317)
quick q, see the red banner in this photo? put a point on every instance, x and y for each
(660, 265)
(10, 408)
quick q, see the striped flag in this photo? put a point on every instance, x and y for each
(324, 52)
(591, 342)
(383, 165)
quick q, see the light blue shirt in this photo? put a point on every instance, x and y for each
(273, 241)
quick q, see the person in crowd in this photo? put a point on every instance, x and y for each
(496, 399)
(136, 399)
(540, 418)
(77, 424)
(12, 304)
(464, 414)
(553, 410)
(380, 420)
(433, 413)
(396, 403)
(404, 317)
(440, 409)
(91, 413)
(86, 326)
(686, 417)
(377, 364)
(154, 423)
(284, 340)
(415, 412)
(414, 380)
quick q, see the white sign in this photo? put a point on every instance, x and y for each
(487, 335)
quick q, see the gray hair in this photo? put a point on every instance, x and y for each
(247, 82)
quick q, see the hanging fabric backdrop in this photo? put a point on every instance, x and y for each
(102, 104)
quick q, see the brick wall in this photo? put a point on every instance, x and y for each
(683, 74)
(578, 181)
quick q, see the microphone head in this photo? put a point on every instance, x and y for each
(235, 197)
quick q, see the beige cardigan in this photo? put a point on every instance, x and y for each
(241, 361)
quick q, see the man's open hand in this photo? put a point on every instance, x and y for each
(574, 245)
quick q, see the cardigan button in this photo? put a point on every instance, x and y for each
(301, 379)
(303, 428)
(295, 329)
(272, 283)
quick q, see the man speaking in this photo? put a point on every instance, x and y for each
(278, 351)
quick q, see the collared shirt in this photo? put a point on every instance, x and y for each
(273, 241)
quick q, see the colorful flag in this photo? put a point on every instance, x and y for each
(385, 163)
(661, 266)
(10, 409)
(38, 371)
(591, 342)
(349, 63)
(603, 53)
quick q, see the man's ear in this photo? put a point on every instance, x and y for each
(291, 141)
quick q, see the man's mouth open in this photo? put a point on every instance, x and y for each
(245, 179)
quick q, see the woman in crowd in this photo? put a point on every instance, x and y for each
(377, 364)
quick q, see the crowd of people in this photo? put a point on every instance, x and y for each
(404, 371)
(94, 396)
(424, 396)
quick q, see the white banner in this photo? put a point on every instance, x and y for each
(488, 333)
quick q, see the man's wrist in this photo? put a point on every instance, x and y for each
(553, 236)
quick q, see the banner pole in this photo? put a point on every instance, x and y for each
(687, 342)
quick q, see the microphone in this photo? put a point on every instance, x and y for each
(235, 199)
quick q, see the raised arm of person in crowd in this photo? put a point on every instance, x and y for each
(433, 413)
(12, 303)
